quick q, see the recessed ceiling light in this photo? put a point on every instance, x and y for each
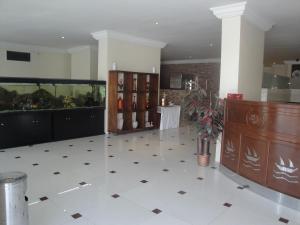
(211, 44)
(62, 37)
(156, 22)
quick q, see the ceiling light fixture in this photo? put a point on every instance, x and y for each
(62, 37)
(211, 44)
(156, 22)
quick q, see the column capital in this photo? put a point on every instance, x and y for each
(240, 9)
(231, 10)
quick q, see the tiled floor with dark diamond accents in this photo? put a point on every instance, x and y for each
(227, 204)
(44, 198)
(82, 183)
(115, 196)
(147, 195)
(76, 215)
(283, 220)
(156, 211)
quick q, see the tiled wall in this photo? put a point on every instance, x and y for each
(204, 71)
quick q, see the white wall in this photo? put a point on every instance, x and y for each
(251, 60)
(42, 64)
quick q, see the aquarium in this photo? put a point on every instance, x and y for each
(41, 94)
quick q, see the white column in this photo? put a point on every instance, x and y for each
(242, 53)
(242, 50)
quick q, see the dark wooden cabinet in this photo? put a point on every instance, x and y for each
(33, 127)
(24, 128)
(74, 123)
(66, 124)
(261, 142)
(8, 131)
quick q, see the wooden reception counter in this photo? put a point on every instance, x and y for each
(261, 141)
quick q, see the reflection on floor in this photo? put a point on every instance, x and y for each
(136, 179)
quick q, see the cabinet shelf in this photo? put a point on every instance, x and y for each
(147, 92)
(135, 130)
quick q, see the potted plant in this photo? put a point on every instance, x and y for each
(207, 115)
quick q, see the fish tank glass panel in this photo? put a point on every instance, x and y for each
(39, 94)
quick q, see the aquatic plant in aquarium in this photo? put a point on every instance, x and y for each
(35, 94)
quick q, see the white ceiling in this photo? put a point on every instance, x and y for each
(188, 26)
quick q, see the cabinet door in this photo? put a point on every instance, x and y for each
(33, 127)
(96, 124)
(41, 127)
(253, 158)
(284, 168)
(231, 148)
(64, 124)
(24, 128)
(7, 132)
(92, 122)
(84, 120)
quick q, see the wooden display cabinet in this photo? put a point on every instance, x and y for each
(141, 87)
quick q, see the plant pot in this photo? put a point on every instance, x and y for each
(203, 160)
(203, 153)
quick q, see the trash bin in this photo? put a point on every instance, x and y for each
(13, 202)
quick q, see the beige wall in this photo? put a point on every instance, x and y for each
(251, 60)
(84, 63)
(81, 64)
(42, 64)
(128, 56)
(133, 57)
(94, 63)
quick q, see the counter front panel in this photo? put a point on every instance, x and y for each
(261, 141)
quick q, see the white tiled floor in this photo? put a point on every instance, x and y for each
(115, 169)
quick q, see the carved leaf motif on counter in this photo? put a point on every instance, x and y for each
(254, 119)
